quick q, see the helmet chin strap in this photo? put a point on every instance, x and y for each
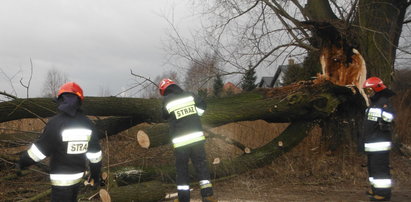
(69, 103)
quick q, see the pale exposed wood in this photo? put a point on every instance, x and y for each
(104, 195)
(143, 140)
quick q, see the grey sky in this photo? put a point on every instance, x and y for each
(94, 42)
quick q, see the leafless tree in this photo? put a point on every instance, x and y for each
(201, 73)
(54, 80)
(265, 32)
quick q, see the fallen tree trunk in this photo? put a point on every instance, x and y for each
(299, 102)
(151, 135)
(113, 125)
(259, 157)
(144, 110)
(306, 101)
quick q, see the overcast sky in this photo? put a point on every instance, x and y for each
(94, 42)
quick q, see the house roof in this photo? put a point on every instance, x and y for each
(232, 87)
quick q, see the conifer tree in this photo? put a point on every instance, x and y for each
(248, 81)
(218, 86)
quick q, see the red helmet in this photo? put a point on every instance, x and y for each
(375, 83)
(164, 84)
(73, 88)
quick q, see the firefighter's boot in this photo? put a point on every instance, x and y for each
(379, 198)
(369, 192)
(183, 195)
(209, 199)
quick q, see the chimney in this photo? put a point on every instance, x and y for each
(290, 61)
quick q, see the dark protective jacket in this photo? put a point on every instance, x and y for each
(378, 118)
(69, 141)
(182, 109)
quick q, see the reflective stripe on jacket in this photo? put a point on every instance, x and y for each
(69, 142)
(378, 118)
(377, 146)
(182, 111)
(65, 179)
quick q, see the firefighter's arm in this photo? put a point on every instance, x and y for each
(94, 155)
(38, 151)
(387, 118)
(200, 105)
(164, 112)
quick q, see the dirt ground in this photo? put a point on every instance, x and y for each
(307, 173)
(259, 185)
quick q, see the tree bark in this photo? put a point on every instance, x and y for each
(305, 101)
(142, 110)
(319, 11)
(259, 157)
(154, 134)
(379, 27)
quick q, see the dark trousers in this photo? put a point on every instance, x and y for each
(196, 153)
(64, 193)
(379, 168)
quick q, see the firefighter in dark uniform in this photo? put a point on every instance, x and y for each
(377, 138)
(182, 110)
(69, 139)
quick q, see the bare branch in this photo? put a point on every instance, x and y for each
(351, 12)
(300, 7)
(237, 16)
(29, 81)
(8, 95)
(145, 79)
(10, 79)
(338, 9)
(279, 11)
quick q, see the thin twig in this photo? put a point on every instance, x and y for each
(145, 79)
(8, 95)
(28, 83)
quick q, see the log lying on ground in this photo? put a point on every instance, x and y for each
(144, 110)
(114, 125)
(259, 157)
(306, 101)
(109, 126)
(151, 135)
